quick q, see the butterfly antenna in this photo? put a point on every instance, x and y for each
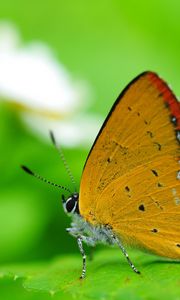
(63, 160)
(27, 170)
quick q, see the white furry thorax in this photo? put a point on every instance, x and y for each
(90, 234)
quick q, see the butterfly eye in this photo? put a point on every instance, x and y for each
(71, 204)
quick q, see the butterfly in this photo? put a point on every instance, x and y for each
(130, 186)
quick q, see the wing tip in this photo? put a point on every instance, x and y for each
(167, 94)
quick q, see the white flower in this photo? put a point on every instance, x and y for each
(49, 97)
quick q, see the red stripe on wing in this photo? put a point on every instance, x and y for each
(169, 97)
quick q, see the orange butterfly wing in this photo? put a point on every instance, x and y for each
(131, 179)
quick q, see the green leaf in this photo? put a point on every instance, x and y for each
(12, 289)
(108, 277)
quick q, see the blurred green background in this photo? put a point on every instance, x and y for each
(107, 43)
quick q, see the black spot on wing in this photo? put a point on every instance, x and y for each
(158, 146)
(141, 207)
(158, 204)
(127, 189)
(160, 95)
(149, 133)
(154, 172)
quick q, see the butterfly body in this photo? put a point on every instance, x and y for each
(91, 235)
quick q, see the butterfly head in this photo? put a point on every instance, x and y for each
(71, 204)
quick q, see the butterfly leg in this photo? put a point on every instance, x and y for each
(125, 254)
(80, 245)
